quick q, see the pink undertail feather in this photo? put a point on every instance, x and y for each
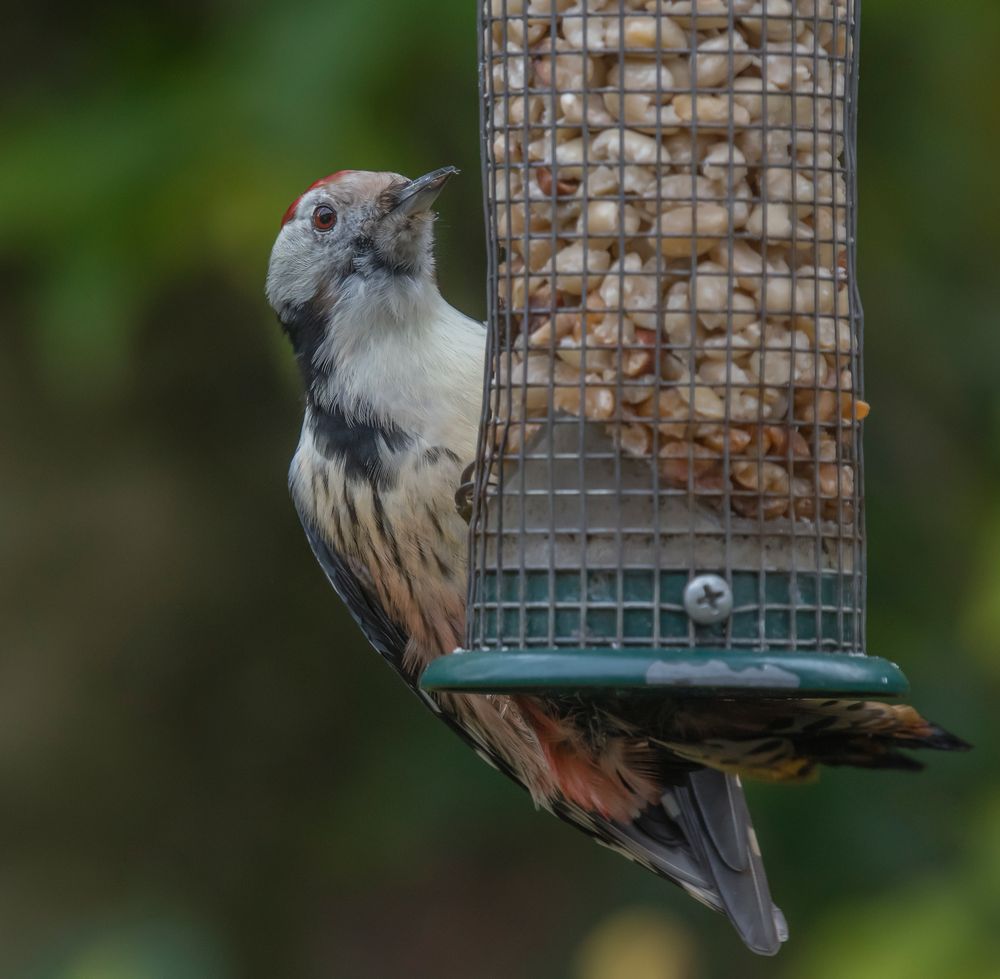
(611, 784)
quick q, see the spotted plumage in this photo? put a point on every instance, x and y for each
(393, 380)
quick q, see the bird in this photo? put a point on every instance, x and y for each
(392, 377)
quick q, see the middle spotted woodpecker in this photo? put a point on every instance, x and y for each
(393, 384)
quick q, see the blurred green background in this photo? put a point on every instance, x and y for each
(203, 772)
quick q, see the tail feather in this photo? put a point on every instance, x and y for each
(700, 836)
(722, 796)
(715, 809)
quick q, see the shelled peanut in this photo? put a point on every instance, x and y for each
(670, 195)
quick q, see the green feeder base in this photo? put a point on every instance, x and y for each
(715, 672)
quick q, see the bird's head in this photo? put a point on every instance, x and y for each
(358, 247)
(351, 230)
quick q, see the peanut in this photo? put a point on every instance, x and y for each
(670, 193)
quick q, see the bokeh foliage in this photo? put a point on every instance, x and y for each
(203, 773)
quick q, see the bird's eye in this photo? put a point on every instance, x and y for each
(324, 217)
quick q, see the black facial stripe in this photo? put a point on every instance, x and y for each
(357, 445)
(305, 327)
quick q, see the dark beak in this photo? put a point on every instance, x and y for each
(418, 195)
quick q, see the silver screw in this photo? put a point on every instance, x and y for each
(708, 599)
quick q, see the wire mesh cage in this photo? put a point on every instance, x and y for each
(668, 489)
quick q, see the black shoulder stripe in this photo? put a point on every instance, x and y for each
(357, 445)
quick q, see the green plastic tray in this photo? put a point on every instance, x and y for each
(716, 672)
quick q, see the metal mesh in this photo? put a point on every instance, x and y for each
(674, 378)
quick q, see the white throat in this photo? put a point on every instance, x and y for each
(396, 352)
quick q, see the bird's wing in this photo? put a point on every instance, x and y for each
(386, 635)
(700, 836)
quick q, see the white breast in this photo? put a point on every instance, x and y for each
(415, 361)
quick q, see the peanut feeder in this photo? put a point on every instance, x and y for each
(668, 491)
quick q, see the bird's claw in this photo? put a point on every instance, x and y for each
(463, 495)
(466, 491)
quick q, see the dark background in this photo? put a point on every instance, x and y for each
(203, 771)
